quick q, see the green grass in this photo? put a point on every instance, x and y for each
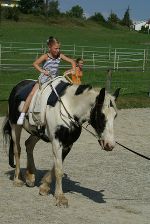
(87, 33)
(134, 84)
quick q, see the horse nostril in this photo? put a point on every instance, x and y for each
(109, 147)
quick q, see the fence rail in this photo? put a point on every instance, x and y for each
(19, 56)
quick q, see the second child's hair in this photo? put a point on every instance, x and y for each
(78, 59)
(52, 40)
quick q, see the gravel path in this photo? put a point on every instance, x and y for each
(102, 187)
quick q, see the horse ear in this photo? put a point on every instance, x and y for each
(101, 96)
(116, 93)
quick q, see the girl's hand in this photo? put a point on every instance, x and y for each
(46, 72)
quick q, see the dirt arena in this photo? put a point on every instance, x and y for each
(102, 187)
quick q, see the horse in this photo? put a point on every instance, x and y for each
(64, 122)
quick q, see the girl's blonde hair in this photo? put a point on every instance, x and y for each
(52, 40)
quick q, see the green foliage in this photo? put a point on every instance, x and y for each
(10, 13)
(98, 17)
(31, 6)
(113, 18)
(53, 8)
(76, 11)
(145, 29)
(126, 21)
(26, 6)
(0, 12)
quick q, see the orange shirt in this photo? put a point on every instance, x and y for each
(76, 78)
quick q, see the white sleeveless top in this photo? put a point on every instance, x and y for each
(51, 65)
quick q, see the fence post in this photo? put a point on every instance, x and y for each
(109, 53)
(108, 80)
(144, 60)
(115, 55)
(42, 48)
(82, 53)
(74, 49)
(118, 62)
(93, 62)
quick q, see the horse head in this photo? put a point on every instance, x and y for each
(102, 118)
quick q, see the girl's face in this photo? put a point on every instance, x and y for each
(54, 49)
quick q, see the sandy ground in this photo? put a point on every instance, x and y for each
(102, 187)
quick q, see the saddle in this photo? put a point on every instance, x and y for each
(48, 94)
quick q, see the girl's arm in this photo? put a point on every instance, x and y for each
(65, 58)
(38, 62)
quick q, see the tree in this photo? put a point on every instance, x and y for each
(113, 18)
(0, 13)
(126, 21)
(76, 11)
(144, 29)
(98, 17)
(38, 7)
(26, 6)
(29, 6)
(53, 8)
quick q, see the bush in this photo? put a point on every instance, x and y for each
(10, 13)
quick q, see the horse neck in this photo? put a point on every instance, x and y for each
(80, 105)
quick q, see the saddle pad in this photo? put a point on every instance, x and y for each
(24, 92)
(60, 88)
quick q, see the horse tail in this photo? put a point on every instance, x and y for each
(8, 141)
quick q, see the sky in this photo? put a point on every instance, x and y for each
(139, 9)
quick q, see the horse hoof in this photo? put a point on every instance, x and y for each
(30, 183)
(61, 200)
(18, 183)
(30, 179)
(44, 190)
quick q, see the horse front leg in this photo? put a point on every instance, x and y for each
(30, 171)
(46, 181)
(58, 165)
(16, 133)
(50, 175)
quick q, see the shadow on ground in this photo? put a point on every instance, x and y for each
(68, 185)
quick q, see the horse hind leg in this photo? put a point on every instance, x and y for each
(30, 171)
(16, 133)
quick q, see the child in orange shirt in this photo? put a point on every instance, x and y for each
(75, 76)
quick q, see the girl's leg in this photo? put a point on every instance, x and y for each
(27, 104)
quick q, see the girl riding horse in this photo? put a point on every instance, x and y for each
(50, 70)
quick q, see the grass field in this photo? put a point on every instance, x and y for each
(135, 84)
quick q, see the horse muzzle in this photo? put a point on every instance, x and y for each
(106, 145)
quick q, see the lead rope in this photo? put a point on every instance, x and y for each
(137, 153)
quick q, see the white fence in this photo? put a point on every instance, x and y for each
(20, 56)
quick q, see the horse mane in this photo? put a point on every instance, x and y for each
(82, 88)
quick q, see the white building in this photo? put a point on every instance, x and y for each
(137, 25)
(9, 3)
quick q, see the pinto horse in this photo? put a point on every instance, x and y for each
(77, 104)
